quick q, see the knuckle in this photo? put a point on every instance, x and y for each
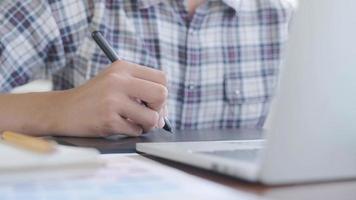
(117, 79)
(161, 94)
(152, 120)
(162, 77)
(132, 129)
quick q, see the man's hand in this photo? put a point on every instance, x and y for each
(111, 103)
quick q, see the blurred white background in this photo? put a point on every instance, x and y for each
(34, 86)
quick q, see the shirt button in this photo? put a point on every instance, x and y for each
(237, 93)
(191, 87)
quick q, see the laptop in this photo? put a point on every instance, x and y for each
(312, 127)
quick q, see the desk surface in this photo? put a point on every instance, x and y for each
(332, 190)
(341, 190)
(127, 144)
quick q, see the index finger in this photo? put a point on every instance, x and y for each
(147, 73)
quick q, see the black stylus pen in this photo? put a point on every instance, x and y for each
(111, 54)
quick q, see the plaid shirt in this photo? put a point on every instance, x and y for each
(222, 65)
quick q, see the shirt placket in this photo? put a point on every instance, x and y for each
(192, 82)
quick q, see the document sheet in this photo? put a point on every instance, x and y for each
(122, 177)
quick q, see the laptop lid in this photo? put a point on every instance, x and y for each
(313, 128)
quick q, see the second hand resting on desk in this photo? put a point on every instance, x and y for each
(111, 54)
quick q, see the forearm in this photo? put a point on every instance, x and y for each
(105, 105)
(31, 113)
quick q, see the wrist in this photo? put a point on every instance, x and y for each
(53, 113)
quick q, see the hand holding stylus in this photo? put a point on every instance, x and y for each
(111, 54)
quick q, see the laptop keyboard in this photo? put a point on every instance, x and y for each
(248, 155)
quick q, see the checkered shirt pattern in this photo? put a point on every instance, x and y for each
(222, 64)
